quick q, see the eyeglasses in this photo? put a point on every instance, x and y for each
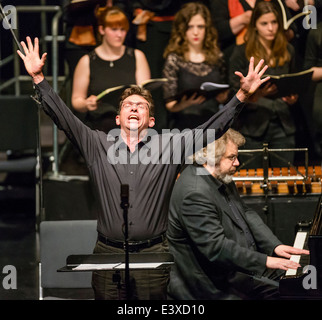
(139, 105)
(232, 158)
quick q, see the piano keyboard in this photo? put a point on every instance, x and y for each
(299, 242)
(292, 286)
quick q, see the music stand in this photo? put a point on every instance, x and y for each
(265, 152)
(116, 263)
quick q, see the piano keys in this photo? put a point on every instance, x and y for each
(300, 240)
(293, 283)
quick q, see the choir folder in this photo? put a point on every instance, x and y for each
(290, 83)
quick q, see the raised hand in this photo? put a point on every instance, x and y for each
(32, 61)
(253, 80)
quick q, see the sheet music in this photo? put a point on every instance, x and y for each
(116, 266)
(153, 265)
(96, 266)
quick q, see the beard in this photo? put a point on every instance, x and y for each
(225, 177)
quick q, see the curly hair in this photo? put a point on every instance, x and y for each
(214, 151)
(279, 53)
(178, 43)
(146, 94)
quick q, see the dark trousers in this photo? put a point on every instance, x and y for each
(144, 284)
(257, 288)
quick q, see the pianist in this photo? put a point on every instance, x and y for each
(222, 249)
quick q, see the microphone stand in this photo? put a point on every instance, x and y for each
(265, 173)
(124, 206)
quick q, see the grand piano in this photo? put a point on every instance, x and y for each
(304, 283)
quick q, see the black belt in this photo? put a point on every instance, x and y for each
(132, 245)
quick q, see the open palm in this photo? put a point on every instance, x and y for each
(32, 61)
(253, 80)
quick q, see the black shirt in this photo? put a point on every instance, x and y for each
(233, 203)
(150, 173)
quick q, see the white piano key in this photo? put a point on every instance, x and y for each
(299, 244)
(300, 240)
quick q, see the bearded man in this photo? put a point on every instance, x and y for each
(222, 248)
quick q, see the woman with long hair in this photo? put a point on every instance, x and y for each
(111, 64)
(192, 57)
(266, 119)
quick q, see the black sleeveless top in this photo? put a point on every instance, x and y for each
(184, 75)
(107, 74)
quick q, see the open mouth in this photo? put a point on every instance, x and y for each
(133, 117)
